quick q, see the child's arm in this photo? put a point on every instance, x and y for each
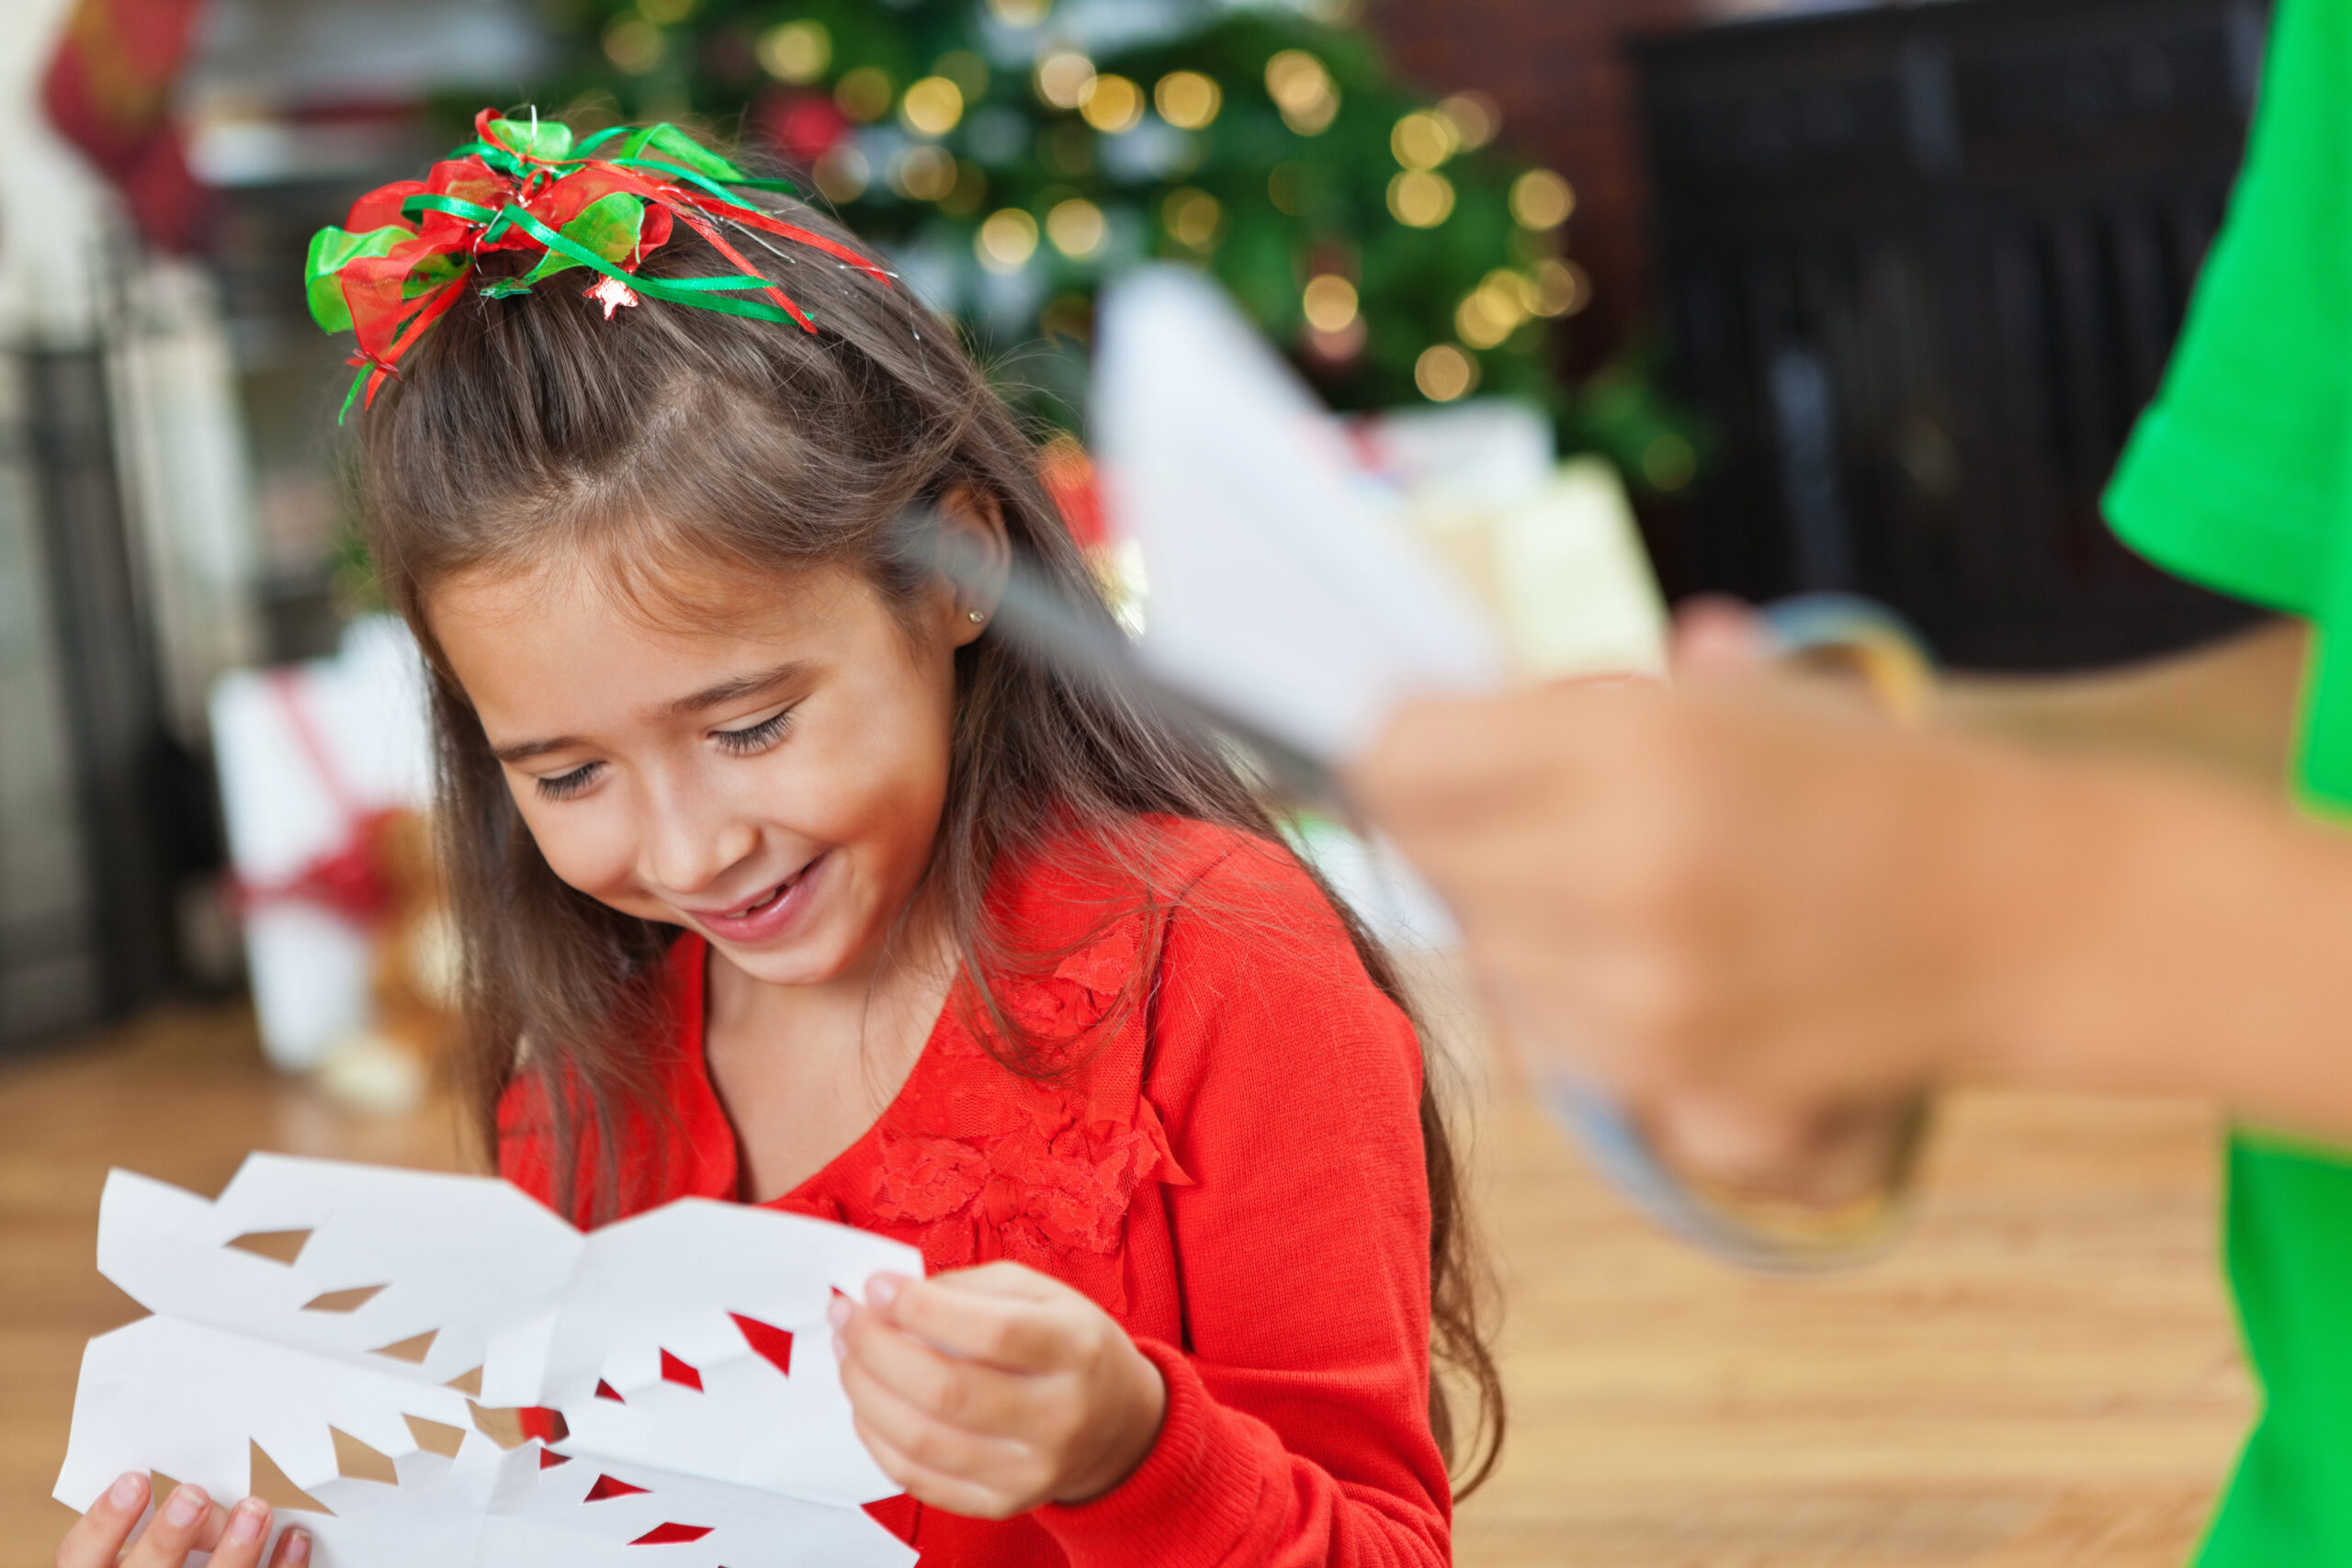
(1739, 909)
(1292, 1427)
(1297, 1430)
(2226, 709)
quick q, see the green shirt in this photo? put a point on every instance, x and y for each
(2239, 478)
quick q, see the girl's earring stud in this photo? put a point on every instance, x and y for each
(976, 616)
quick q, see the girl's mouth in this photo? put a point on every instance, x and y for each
(768, 916)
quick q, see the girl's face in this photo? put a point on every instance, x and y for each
(772, 777)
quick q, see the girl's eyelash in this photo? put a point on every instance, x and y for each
(753, 738)
(563, 786)
(741, 742)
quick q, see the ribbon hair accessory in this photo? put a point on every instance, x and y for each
(409, 248)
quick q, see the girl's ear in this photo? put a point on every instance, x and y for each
(975, 557)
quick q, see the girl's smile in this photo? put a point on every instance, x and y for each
(767, 917)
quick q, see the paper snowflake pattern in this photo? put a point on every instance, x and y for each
(434, 1369)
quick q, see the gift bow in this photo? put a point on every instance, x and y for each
(410, 247)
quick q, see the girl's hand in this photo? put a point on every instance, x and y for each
(990, 1391)
(187, 1521)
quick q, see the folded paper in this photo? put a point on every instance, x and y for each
(419, 1367)
(1282, 586)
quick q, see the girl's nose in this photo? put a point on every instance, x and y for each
(692, 845)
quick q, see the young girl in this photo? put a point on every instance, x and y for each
(786, 878)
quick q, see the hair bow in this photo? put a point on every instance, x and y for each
(410, 247)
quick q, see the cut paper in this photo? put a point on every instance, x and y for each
(354, 1460)
(1283, 587)
(410, 1422)
(279, 1246)
(434, 1437)
(266, 1480)
(607, 1488)
(344, 1301)
(770, 1344)
(414, 1348)
(513, 1429)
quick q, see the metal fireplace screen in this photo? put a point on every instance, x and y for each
(1922, 267)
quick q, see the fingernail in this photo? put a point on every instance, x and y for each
(881, 1290)
(185, 1504)
(246, 1524)
(841, 1348)
(129, 1491)
(298, 1548)
(837, 1312)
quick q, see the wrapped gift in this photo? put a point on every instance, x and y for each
(325, 770)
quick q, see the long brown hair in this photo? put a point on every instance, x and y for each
(529, 429)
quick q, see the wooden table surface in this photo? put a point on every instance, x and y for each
(2043, 1375)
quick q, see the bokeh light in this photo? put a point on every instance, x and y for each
(932, 107)
(1444, 373)
(1063, 79)
(1007, 241)
(1474, 118)
(1302, 90)
(1329, 303)
(1540, 199)
(1112, 104)
(798, 52)
(924, 173)
(1077, 228)
(864, 93)
(1422, 140)
(1195, 218)
(1562, 288)
(1187, 99)
(843, 173)
(633, 45)
(1420, 199)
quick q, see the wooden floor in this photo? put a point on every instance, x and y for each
(2044, 1375)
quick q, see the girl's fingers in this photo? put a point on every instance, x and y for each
(179, 1526)
(98, 1536)
(981, 1317)
(954, 1431)
(972, 1499)
(961, 1393)
(243, 1533)
(293, 1550)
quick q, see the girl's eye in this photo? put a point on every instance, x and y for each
(753, 738)
(563, 786)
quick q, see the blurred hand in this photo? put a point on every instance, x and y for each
(990, 1391)
(1756, 914)
(188, 1522)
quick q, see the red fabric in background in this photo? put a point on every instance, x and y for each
(1235, 1175)
(108, 91)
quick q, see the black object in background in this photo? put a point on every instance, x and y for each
(1923, 268)
(121, 757)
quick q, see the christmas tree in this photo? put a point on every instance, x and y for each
(1012, 155)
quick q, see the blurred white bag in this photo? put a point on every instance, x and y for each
(307, 755)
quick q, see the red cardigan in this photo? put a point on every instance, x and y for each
(1234, 1172)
